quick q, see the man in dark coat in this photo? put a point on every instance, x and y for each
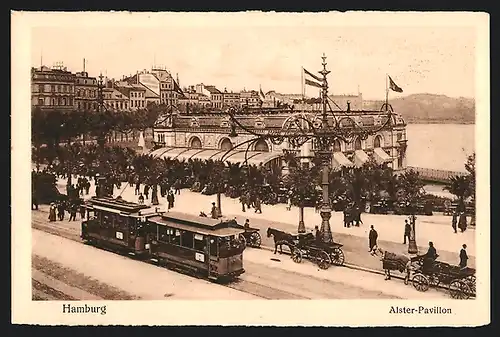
(407, 232)
(60, 211)
(72, 212)
(170, 200)
(463, 256)
(462, 222)
(243, 201)
(257, 205)
(430, 257)
(372, 239)
(454, 221)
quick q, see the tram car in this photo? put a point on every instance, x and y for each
(202, 246)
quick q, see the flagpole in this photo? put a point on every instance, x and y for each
(386, 93)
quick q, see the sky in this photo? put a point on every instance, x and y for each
(435, 59)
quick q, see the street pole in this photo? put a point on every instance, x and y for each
(325, 156)
(412, 243)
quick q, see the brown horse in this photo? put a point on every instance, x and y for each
(280, 238)
(392, 261)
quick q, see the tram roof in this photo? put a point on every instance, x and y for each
(197, 224)
(117, 205)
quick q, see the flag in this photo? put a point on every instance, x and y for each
(393, 86)
(262, 96)
(314, 84)
(317, 78)
(177, 89)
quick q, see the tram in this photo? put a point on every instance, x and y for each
(203, 246)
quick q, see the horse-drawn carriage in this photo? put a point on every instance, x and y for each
(251, 237)
(461, 282)
(306, 246)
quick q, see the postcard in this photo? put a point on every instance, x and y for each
(252, 168)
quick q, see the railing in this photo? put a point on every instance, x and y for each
(435, 175)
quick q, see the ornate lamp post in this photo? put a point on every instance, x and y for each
(412, 243)
(324, 129)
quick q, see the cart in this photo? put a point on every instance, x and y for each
(251, 237)
(461, 282)
(324, 255)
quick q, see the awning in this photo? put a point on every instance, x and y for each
(188, 154)
(240, 157)
(225, 153)
(173, 152)
(360, 157)
(234, 156)
(263, 158)
(340, 160)
(381, 156)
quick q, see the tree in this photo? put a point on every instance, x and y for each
(301, 181)
(410, 188)
(461, 188)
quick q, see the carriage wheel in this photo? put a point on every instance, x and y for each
(434, 280)
(471, 280)
(420, 282)
(323, 259)
(459, 290)
(297, 256)
(337, 257)
(255, 239)
(243, 240)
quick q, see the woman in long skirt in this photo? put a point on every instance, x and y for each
(52, 212)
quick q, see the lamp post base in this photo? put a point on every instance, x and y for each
(302, 226)
(325, 230)
(412, 247)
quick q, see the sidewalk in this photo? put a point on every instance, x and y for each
(355, 239)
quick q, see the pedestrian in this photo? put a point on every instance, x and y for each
(87, 186)
(141, 199)
(214, 212)
(462, 222)
(170, 199)
(372, 239)
(289, 203)
(248, 196)
(454, 221)
(60, 211)
(258, 205)
(177, 186)
(463, 256)
(358, 215)
(137, 188)
(317, 234)
(146, 191)
(154, 195)
(72, 213)
(347, 221)
(243, 201)
(82, 211)
(407, 231)
(52, 212)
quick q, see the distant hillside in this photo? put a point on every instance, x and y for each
(429, 108)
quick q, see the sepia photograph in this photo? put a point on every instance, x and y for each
(202, 159)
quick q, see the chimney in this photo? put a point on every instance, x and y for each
(83, 64)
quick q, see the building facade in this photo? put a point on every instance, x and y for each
(230, 99)
(52, 88)
(136, 94)
(209, 137)
(170, 91)
(85, 92)
(250, 98)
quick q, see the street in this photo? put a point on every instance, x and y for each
(267, 276)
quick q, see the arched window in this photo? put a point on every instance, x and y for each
(226, 144)
(195, 143)
(261, 146)
(336, 146)
(357, 144)
(377, 141)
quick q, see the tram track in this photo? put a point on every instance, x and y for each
(241, 284)
(255, 283)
